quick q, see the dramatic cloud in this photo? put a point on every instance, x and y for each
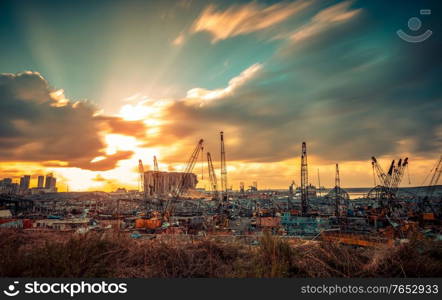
(349, 99)
(38, 124)
(243, 19)
(201, 96)
(323, 20)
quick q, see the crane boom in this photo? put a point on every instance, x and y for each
(337, 190)
(434, 178)
(304, 180)
(398, 175)
(383, 178)
(212, 176)
(189, 168)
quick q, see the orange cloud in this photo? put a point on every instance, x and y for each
(335, 14)
(38, 124)
(244, 19)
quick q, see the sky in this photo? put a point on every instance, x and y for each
(89, 87)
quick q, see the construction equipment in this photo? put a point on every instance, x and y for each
(398, 175)
(384, 178)
(169, 206)
(389, 182)
(304, 180)
(337, 190)
(426, 200)
(338, 195)
(212, 176)
(434, 178)
(223, 166)
(223, 169)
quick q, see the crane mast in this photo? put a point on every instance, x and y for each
(304, 180)
(383, 178)
(398, 175)
(168, 210)
(212, 176)
(337, 190)
(223, 169)
(434, 178)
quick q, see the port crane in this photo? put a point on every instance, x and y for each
(337, 190)
(304, 180)
(338, 196)
(437, 171)
(398, 174)
(390, 181)
(169, 207)
(212, 176)
(224, 196)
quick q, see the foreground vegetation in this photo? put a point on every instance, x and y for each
(25, 254)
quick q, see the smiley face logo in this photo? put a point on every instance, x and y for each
(11, 290)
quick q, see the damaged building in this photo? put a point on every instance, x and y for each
(163, 183)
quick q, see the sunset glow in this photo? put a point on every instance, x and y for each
(154, 79)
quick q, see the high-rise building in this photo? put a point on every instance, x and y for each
(24, 182)
(48, 181)
(6, 186)
(7, 181)
(41, 181)
(53, 183)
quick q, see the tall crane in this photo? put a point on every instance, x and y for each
(434, 178)
(383, 177)
(319, 184)
(432, 186)
(212, 176)
(168, 209)
(338, 196)
(390, 181)
(337, 190)
(398, 175)
(223, 169)
(304, 180)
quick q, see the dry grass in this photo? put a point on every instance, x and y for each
(116, 255)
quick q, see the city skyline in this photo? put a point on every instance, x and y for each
(88, 89)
